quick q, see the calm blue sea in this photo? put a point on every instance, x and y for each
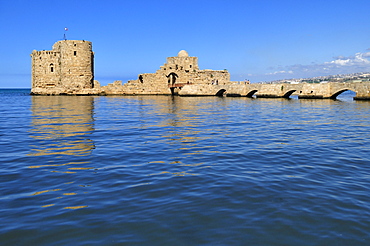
(162, 170)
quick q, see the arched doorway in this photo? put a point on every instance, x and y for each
(172, 78)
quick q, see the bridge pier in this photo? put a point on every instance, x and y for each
(312, 97)
(362, 97)
(268, 96)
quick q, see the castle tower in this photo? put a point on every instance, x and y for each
(68, 66)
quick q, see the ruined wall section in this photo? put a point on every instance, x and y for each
(177, 72)
(213, 77)
(187, 70)
(181, 63)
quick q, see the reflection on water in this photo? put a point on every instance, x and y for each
(60, 127)
(123, 170)
(62, 124)
(184, 127)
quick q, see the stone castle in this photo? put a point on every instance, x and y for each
(68, 69)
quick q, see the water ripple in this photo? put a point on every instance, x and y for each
(183, 171)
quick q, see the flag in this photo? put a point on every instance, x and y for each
(65, 29)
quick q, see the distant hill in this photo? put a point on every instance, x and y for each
(355, 77)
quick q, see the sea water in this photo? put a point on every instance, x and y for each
(162, 170)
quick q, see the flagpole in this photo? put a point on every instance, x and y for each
(65, 36)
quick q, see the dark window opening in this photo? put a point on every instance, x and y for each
(74, 53)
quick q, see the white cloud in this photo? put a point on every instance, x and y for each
(367, 54)
(281, 72)
(359, 62)
(358, 59)
(339, 65)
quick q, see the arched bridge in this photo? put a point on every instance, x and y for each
(328, 90)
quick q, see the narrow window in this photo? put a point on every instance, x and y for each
(52, 68)
(190, 66)
(74, 53)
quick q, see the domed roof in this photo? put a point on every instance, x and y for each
(183, 53)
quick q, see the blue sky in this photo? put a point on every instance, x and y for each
(260, 40)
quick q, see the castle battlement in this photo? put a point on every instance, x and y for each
(44, 52)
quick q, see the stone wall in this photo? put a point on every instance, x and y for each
(170, 78)
(77, 59)
(303, 90)
(45, 69)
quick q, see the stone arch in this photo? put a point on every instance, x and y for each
(172, 78)
(251, 93)
(336, 94)
(221, 93)
(288, 93)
